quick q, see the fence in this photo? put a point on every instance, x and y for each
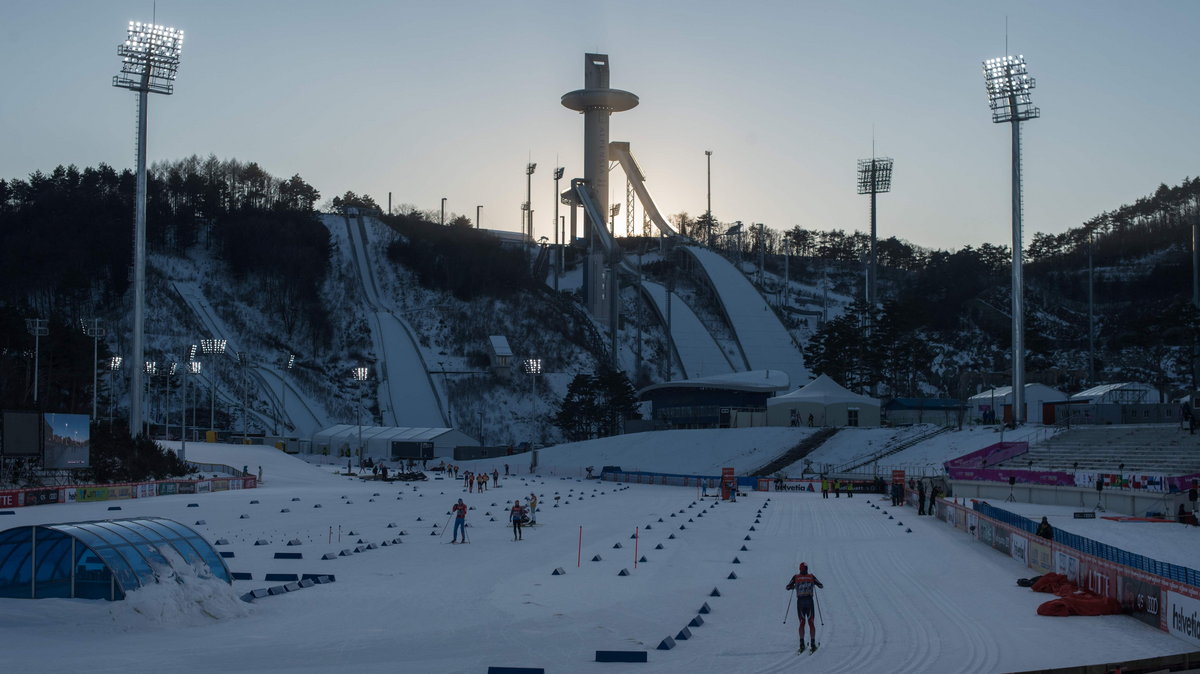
(1163, 595)
(19, 498)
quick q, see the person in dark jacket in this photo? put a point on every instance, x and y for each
(920, 497)
(1045, 530)
(804, 583)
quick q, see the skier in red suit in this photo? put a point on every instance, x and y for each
(804, 584)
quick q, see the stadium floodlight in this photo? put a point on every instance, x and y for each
(528, 206)
(874, 177)
(1008, 86)
(288, 363)
(149, 64)
(212, 347)
(360, 375)
(532, 365)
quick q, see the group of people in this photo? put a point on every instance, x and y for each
(838, 487)
(519, 515)
(472, 480)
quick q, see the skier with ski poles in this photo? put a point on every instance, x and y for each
(460, 521)
(516, 514)
(804, 583)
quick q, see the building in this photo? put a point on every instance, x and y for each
(823, 402)
(500, 356)
(909, 411)
(389, 443)
(996, 404)
(732, 400)
(1126, 393)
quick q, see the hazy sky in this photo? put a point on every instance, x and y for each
(451, 99)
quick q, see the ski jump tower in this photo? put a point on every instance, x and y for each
(597, 101)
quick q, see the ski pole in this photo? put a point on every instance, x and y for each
(788, 609)
(443, 534)
(819, 609)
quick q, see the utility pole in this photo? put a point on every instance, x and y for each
(708, 210)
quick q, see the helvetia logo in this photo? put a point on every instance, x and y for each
(1188, 624)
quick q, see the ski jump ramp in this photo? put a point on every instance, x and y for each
(697, 353)
(405, 390)
(764, 342)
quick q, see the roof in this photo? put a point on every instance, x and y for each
(131, 550)
(760, 381)
(825, 391)
(390, 432)
(1001, 391)
(923, 404)
(500, 345)
(1104, 389)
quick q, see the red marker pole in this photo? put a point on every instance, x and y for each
(635, 542)
(579, 553)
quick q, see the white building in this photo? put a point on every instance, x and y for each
(389, 443)
(997, 403)
(826, 402)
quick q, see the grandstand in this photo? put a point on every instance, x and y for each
(1157, 448)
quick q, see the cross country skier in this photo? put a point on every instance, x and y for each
(516, 514)
(532, 508)
(460, 521)
(803, 583)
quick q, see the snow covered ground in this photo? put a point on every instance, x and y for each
(932, 600)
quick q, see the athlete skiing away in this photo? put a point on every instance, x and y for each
(804, 583)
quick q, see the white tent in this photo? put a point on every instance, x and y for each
(1126, 393)
(826, 403)
(387, 442)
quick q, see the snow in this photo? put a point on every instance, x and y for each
(932, 600)
(697, 350)
(763, 339)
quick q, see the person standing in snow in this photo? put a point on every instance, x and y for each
(482, 479)
(921, 497)
(460, 521)
(804, 583)
(495, 476)
(824, 487)
(516, 514)
(532, 508)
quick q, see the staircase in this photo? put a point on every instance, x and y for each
(889, 450)
(796, 453)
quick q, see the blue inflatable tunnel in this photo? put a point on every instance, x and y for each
(97, 560)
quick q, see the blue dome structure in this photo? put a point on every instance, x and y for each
(96, 560)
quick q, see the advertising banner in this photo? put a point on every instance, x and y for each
(249, 482)
(1183, 617)
(88, 494)
(1067, 565)
(67, 495)
(1038, 556)
(167, 488)
(146, 490)
(235, 483)
(986, 530)
(1019, 544)
(1002, 540)
(897, 477)
(220, 485)
(12, 499)
(40, 496)
(1142, 600)
(204, 487)
(186, 487)
(120, 491)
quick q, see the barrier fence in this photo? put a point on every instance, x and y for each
(19, 498)
(1160, 594)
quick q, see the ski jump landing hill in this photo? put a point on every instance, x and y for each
(291, 407)
(762, 340)
(406, 393)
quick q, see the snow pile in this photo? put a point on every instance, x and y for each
(184, 595)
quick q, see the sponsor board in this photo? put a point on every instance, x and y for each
(1142, 600)
(236, 483)
(145, 490)
(1067, 565)
(89, 494)
(204, 487)
(120, 491)
(220, 485)
(186, 487)
(1038, 556)
(1183, 617)
(12, 499)
(1019, 544)
(249, 482)
(40, 496)
(986, 531)
(1002, 540)
(168, 488)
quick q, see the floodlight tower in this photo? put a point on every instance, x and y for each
(874, 177)
(528, 206)
(596, 101)
(1008, 86)
(360, 374)
(150, 60)
(558, 174)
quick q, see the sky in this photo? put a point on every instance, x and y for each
(451, 100)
